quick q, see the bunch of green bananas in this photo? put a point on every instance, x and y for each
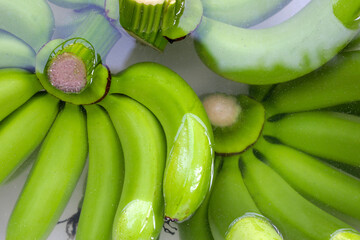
(150, 147)
(290, 159)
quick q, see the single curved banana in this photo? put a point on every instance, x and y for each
(140, 212)
(280, 53)
(52, 179)
(232, 211)
(320, 183)
(32, 21)
(333, 84)
(23, 131)
(197, 227)
(334, 136)
(104, 179)
(242, 13)
(16, 87)
(15, 53)
(188, 133)
(296, 218)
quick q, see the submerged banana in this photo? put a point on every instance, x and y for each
(232, 211)
(333, 84)
(334, 136)
(242, 13)
(34, 28)
(53, 177)
(141, 208)
(322, 184)
(15, 53)
(104, 179)
(23, 131)
(16, 87)
(280, 53)
(188, 133)
(296, 218)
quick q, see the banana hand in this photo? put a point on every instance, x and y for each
(53, 177)
(188, 133)
(141, 208)
(104, 179)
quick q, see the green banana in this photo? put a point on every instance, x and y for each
(141, 208)
(52, 179)
(333, 84)
(23, 131)
(280, 53)
(322, 184)
(242, 13)
(188, 133)
(16, 87)
(296, 218)
(232, 211)
(197, 227)
(104, 179)
(14, 53)
(22, 18)
(237, 122)
(333, 136)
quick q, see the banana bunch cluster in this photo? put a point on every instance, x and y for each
(150, 147)
(288, 164)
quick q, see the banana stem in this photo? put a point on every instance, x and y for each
(99, 32)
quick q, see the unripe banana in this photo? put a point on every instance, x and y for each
(53, 177)
(14, 53)
(296, 218)
(104, 179)
(232, 211)
(22, 18)
(320, 183)
(23, 131)
(260, 92)
(242, 13)
(280, 53)
(334, 136)
(337, 82)
(197, 227)
(141, 208)
(188, 133)
(16, 87)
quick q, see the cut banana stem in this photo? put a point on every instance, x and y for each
(197, 227)
(23, 131)
(140, 212)
(71, 71)
(320, 183)
(104, 179)
(101, 33)
(242, 13)
(188, 133)
(15, 53)
(333, 84)
(280, 53)
(296, 218)
(52, 179)
(232, 211)
(334, 136)
(237, 122)
(181, 17)
(16, 87)
(142, 20)
(22, 18)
